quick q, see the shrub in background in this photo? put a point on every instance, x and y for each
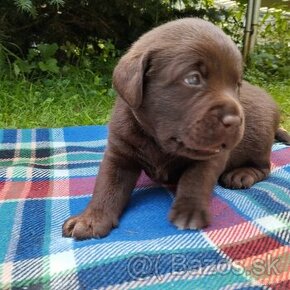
(25, 22)
(40, 38)
(271, 58)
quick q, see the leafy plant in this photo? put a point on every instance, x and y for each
(59, 21)
(50, 37)
(271, 55)
(30, 6)
(232, 22)
(52, 59)
(108, 49)
(41, 58)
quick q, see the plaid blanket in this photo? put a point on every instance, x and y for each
(46, 175)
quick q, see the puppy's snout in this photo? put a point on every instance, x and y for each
(228, 113)
(230, 120)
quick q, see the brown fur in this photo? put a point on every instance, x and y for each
(188, 134)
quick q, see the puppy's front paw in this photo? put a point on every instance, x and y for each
(189, 216)
(89, 224)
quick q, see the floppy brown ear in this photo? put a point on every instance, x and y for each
(128, 78)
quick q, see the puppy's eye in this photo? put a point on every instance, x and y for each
(193, 79)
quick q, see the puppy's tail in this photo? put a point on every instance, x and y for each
(283, 136)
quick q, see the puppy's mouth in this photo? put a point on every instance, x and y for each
(181, 147)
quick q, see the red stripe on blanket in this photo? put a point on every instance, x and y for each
(251, 248)
(281, 157)
(46, 188)
(283, 285)
(56, 188)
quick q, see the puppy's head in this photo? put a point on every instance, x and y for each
(181, 81)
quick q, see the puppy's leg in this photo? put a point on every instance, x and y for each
(191, 207)
(114, 184)
(244, 177)
(247, 165)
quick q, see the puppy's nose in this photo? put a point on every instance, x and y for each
(231, 121)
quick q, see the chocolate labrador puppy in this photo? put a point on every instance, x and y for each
(185, 117)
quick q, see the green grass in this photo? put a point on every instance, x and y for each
(281, 93)
(80, 99)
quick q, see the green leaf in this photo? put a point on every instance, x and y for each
(47, 50)
(22, 66)
(57, 2)
(16, 69)
(49, 65)
(111, 93)
(24, 5)
(32, 54)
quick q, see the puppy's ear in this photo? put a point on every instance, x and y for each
(128, 78)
